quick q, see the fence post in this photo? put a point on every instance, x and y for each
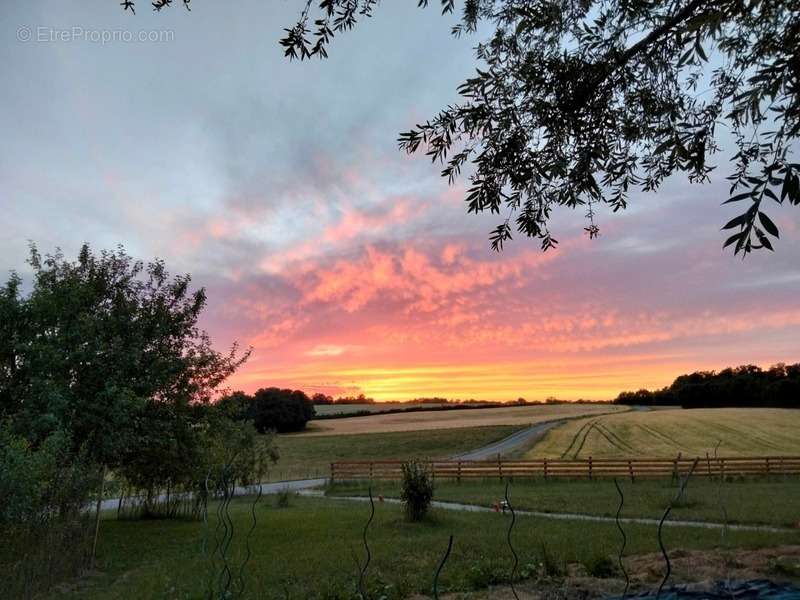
(499, 468)
(708, 462)
(590, 467)
(545, 469)
(630, 469)
(675, 467)
(333, 475)
(767, 466)
(458, 477)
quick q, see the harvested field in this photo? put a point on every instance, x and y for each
(740, 431)
(452, 419)
(325, 410)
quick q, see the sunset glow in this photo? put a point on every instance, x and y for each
(350, 267)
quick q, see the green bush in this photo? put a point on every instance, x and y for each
(417, 490)
(284, 498)
(39, 484)
(601, 567)
(482, 574)
(551, 566)
(46, 532)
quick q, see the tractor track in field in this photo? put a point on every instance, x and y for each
(577, 435)
(613, 439)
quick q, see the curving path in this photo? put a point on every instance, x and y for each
(527, 436)
(571, 516)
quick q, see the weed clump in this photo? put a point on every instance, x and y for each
(417, 490)
(283, 498)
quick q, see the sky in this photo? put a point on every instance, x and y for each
(348, 266)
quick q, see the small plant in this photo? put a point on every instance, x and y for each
(784, 567)
(417, 490)
(482, 574)
(601, 567)
(283, 498)
(550, 565)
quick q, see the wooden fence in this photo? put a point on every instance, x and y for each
(584, 468)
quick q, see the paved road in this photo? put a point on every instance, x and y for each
(266, 488)
(512, 442)
(525, 437)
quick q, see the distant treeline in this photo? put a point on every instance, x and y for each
(415, 406)
(323, 399)
(748, 385)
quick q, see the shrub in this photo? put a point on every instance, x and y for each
(482, 574)
(417, 490)
(551, 567)
(43, 483)
(601, 567)
(47, 536)
(283, 498)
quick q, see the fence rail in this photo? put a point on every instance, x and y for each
(576, 468)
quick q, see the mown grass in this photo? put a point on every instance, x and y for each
(739, 431)
(752, 501)
(310, 456)
(311, 550)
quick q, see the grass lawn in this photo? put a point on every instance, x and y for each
(303, 456)
(311, 549)
(750, 501)
(743, 432)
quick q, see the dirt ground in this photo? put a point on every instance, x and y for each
(699, 569)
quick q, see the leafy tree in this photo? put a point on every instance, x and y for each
(577, 104)
(747, 385)
(106, 349)
(270, 409)
(101, 365)
(320, 398)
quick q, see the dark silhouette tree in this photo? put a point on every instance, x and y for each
(747, 385)
(270, 409)
(320, 398)
(577, 104)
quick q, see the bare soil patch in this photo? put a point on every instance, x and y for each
(701, 570)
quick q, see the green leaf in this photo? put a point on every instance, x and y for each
(771, 194)
(738, 197)
(768, 224)
(732, 239)
(736, 221)
(663, 146)
(764, 240)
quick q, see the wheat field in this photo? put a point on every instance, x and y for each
(451, 419)
(665, 433)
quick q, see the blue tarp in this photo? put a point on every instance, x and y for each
(739, 590)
